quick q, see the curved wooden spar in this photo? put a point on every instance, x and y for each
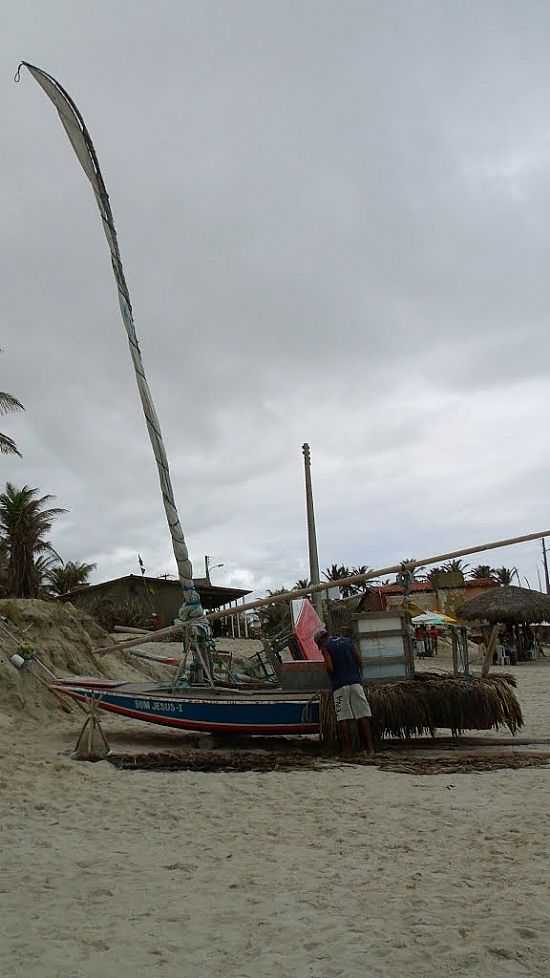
(173, 630)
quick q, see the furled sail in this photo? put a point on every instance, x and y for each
(191, 611)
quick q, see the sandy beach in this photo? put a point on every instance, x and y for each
(321, 874)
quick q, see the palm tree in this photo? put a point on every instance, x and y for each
(65, 577)
(9, 403)
(275, 619)
(361, 588)
(505, 575)
(482, 572)
(455, 567)
(42, 567)
(24, 525)
(335, 573)
(417, 573)
(407, 575)
(301, 584)
(433, 572)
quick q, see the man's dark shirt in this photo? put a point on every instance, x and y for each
(345, 669)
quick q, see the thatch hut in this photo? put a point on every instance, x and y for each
(508, 606)
(514, 607)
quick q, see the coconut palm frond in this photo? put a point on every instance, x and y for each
(455, 566)
(482, 572)
(505, 575)
(9, 403)
(365, 585)
(336, 572)
(8, 446)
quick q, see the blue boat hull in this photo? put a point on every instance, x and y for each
(264, 713)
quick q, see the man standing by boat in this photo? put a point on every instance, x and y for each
(351, 705)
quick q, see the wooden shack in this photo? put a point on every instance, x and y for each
(158, 595)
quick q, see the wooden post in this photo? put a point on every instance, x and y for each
(454, 644)
(311, 535)
(238, 621)
(488, 658)
(245, 624)
(546, 577)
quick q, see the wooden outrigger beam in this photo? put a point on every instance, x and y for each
(173, 630)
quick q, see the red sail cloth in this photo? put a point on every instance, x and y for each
(306, 623)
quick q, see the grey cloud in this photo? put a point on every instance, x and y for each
(332, 219)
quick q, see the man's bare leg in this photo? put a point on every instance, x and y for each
(345, 736)
(365, 734)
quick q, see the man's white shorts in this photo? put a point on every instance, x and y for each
(351, 703)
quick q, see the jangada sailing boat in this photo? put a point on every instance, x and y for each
(221, 709)
(210, 709)
(205, 707)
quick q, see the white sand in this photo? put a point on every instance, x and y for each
(333, 874)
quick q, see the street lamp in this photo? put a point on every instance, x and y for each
(208, 567)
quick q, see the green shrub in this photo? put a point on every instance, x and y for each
(109, 612)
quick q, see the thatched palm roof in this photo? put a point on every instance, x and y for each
(507, 605)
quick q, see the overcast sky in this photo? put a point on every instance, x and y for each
(334, 223)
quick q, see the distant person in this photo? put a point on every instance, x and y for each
(512, 650)
(351, 705)
(434, 635)
(427, 642)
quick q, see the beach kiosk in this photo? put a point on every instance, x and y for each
(384, 643)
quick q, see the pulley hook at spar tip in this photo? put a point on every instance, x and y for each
(80, 139)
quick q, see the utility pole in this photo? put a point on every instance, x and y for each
(311, 535)
(546, 577)
(208, 567)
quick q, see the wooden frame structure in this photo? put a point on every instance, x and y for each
(384, 643)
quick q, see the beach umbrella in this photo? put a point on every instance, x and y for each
(433, 618)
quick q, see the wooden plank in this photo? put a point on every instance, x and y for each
(383, 660)
(390, 633)
(454, 644)
(409, 657)
(131, 631)
(397, 612)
